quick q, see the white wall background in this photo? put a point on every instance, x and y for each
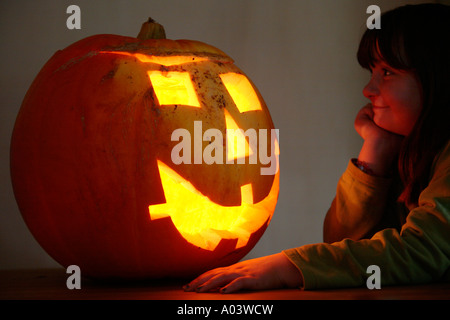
(301, 54)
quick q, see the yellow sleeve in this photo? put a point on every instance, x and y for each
(419, 253)
(358, 206)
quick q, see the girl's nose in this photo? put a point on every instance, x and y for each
(371, 90)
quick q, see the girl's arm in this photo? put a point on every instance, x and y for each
(419, 253)
(359, 206)
(363, 190)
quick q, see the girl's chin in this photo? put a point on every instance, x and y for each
(388, 127)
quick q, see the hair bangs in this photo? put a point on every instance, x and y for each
(386, 44)
(368, 53)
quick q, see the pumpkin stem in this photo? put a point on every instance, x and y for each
(151, 30)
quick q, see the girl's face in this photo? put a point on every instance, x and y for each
(396, 97)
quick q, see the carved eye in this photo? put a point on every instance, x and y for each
(242, 92)
(174, 88)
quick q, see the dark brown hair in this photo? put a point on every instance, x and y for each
(417, 38)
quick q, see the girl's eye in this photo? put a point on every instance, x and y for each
(387, 72)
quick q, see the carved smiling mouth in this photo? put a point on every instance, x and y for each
(203, 222)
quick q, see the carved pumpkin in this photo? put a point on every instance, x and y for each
(92, 158)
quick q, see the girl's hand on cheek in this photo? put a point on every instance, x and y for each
(380, 146)
(369, 130)
(270, 272)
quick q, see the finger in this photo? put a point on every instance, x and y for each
(240, 284)
(217, 281)
(364, 120)
(200, 280)
(368, 107)
(365, 112)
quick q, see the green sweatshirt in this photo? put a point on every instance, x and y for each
(413, 249)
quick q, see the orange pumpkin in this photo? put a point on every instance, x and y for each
(92, 158)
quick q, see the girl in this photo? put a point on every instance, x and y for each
(392, 206)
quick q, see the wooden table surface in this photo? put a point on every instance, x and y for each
(51, 285)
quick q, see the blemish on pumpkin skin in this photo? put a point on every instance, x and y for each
(220, 99)
(163, 69)
(83, 124)
(109, 75)
(76, 60)
(148, 95)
